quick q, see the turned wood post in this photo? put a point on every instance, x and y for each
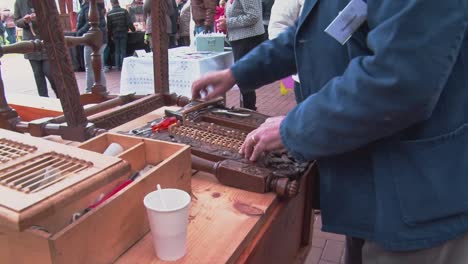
(95, 44)
(8, 116)
(62, 6)
(160, 40)
(50, 30)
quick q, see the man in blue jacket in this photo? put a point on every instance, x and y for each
(386, 116)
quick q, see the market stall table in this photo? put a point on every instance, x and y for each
(185, 66)
(228, 225)
(232, 225)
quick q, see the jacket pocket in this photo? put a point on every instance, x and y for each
(430, 175)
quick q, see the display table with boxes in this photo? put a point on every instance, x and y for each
(185, 66)
(226, 224)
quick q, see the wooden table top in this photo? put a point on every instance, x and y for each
(223, 221)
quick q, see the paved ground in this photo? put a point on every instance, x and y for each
(326, 248)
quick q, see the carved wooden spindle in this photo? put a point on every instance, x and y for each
(95, 44)
(8, 116)
(160, 41)
(50, 30)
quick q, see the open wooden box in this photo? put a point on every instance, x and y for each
(41, 232)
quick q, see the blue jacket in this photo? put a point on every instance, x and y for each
(385, 115)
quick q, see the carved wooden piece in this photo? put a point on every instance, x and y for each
(50, 31)
(160, 40)
(8, 116)
(115, 117)
(22, 47)
(29, 183)
(247, 176)
(96, 44)
(276, 171)
(117, 101)
(246, 124)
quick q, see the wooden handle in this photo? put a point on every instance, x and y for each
(204, 165)
(197, 105)
(284, 187)
(22, 47)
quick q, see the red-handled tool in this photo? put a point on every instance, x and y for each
(107, 196)
(114, 191)
(164, 124)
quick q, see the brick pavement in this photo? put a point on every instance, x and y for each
(326, 248)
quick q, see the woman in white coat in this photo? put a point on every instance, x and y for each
(284, 14)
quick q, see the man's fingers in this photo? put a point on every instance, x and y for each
(257, 151)
(198, 86)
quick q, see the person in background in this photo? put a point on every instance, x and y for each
(2, 32)
(184, 25)
(283, 15)
(244, 25)
(174, 17)
(220, 9)
(203, 12)
(83, 27)
(118, 24)
(266, 12)
(135, 10)
(25, 18)
(10, 26)
(171, 10)
(180, 4)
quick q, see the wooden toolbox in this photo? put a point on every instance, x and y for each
(43, 184)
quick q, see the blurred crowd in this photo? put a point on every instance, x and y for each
(244, 21)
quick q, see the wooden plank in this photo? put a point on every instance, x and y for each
(136, 156)
(273, 244)
(101, 142)
(222, 223)
(31, 107)
(30, 246)
(34, 206)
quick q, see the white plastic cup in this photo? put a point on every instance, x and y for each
(168, 221)
(113, 149)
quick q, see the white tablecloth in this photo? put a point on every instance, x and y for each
(185, 66)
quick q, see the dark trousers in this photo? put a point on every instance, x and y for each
(41, 70)
(239, 49)
(184, 41)
(353, 250)
(120, 44)
(11, 35)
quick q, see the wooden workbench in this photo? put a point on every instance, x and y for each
(229, 225)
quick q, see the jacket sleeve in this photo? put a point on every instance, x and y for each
(109, 25)
(273, 60)
(283, 15)
(82, 25)
(414, 46)
(18, 16)
(147, 8)
(129, 21)
(252, 12)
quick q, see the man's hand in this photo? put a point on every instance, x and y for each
(213, 85)
(27, 19)
(264, 138)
